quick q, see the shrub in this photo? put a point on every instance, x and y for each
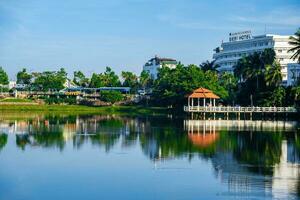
(111, 96)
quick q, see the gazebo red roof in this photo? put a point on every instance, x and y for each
(203, 140)
(203, 93)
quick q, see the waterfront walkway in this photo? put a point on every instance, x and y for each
(238, 109)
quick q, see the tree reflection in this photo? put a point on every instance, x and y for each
(259, 150)
(22, 141)
(159, 138)
(106, 140)
(3, 140)
(237, 150)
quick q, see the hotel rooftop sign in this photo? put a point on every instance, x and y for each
(238, 36)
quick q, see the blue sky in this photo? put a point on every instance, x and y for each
(91, 34)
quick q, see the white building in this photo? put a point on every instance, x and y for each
(12, 84)
(155, 63)
(293, 73)
(243, 43)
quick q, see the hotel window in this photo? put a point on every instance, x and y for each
(279, 50)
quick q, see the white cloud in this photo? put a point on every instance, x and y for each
(277, 17)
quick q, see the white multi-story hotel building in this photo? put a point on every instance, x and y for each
(243, 43)
(155, 63)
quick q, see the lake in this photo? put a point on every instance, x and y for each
(47, 156)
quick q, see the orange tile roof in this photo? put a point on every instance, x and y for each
(203, 140)
(203, 93)
(202, 90)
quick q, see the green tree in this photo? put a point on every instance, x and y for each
(240, 68)
(130, 80)
(258, 75)
(95, 81)
(111, 96)
(273, 75)
(106, 79)
(80, 79)
(23, 77)
(295, 42)
(274, 98)
(3, 77)
(296, 94)
(172, 85)
(48, 80)
(110, 78)
(229, 82)
(209, 66)
(145, 80)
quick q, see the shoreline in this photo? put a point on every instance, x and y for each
(82, 109)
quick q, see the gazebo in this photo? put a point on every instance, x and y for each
(203, 140)
(202, 96)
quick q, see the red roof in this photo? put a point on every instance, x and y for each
(203, 93)
(203, 140)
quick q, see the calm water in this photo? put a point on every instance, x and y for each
(112, 157)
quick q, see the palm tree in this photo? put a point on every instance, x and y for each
(295, 42)
(253, 68)
(273, 76)
(209, 66)
(296, 93)
(239, 69)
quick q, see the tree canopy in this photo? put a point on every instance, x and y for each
(209, 66)
(145, 80)
(50, 80)
(259, 75)
(172, 85)
(80, 79)
(107, 79)
(295, 42)
(3, 77)
(130, 80)
(23, 77)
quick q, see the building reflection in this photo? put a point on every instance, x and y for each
(261, 154)
(243, 154)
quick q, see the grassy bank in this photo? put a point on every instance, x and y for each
(78, 109)
(15, 100)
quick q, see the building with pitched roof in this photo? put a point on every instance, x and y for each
(155, 63)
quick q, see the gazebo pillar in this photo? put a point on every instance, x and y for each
(198, 104)
(210, 102)
(214, 102)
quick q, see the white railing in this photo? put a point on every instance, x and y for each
(239, 109)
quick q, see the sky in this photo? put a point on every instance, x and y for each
(89, 35)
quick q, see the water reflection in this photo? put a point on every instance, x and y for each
(251, 154)
(3, 140)
(245, 155)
